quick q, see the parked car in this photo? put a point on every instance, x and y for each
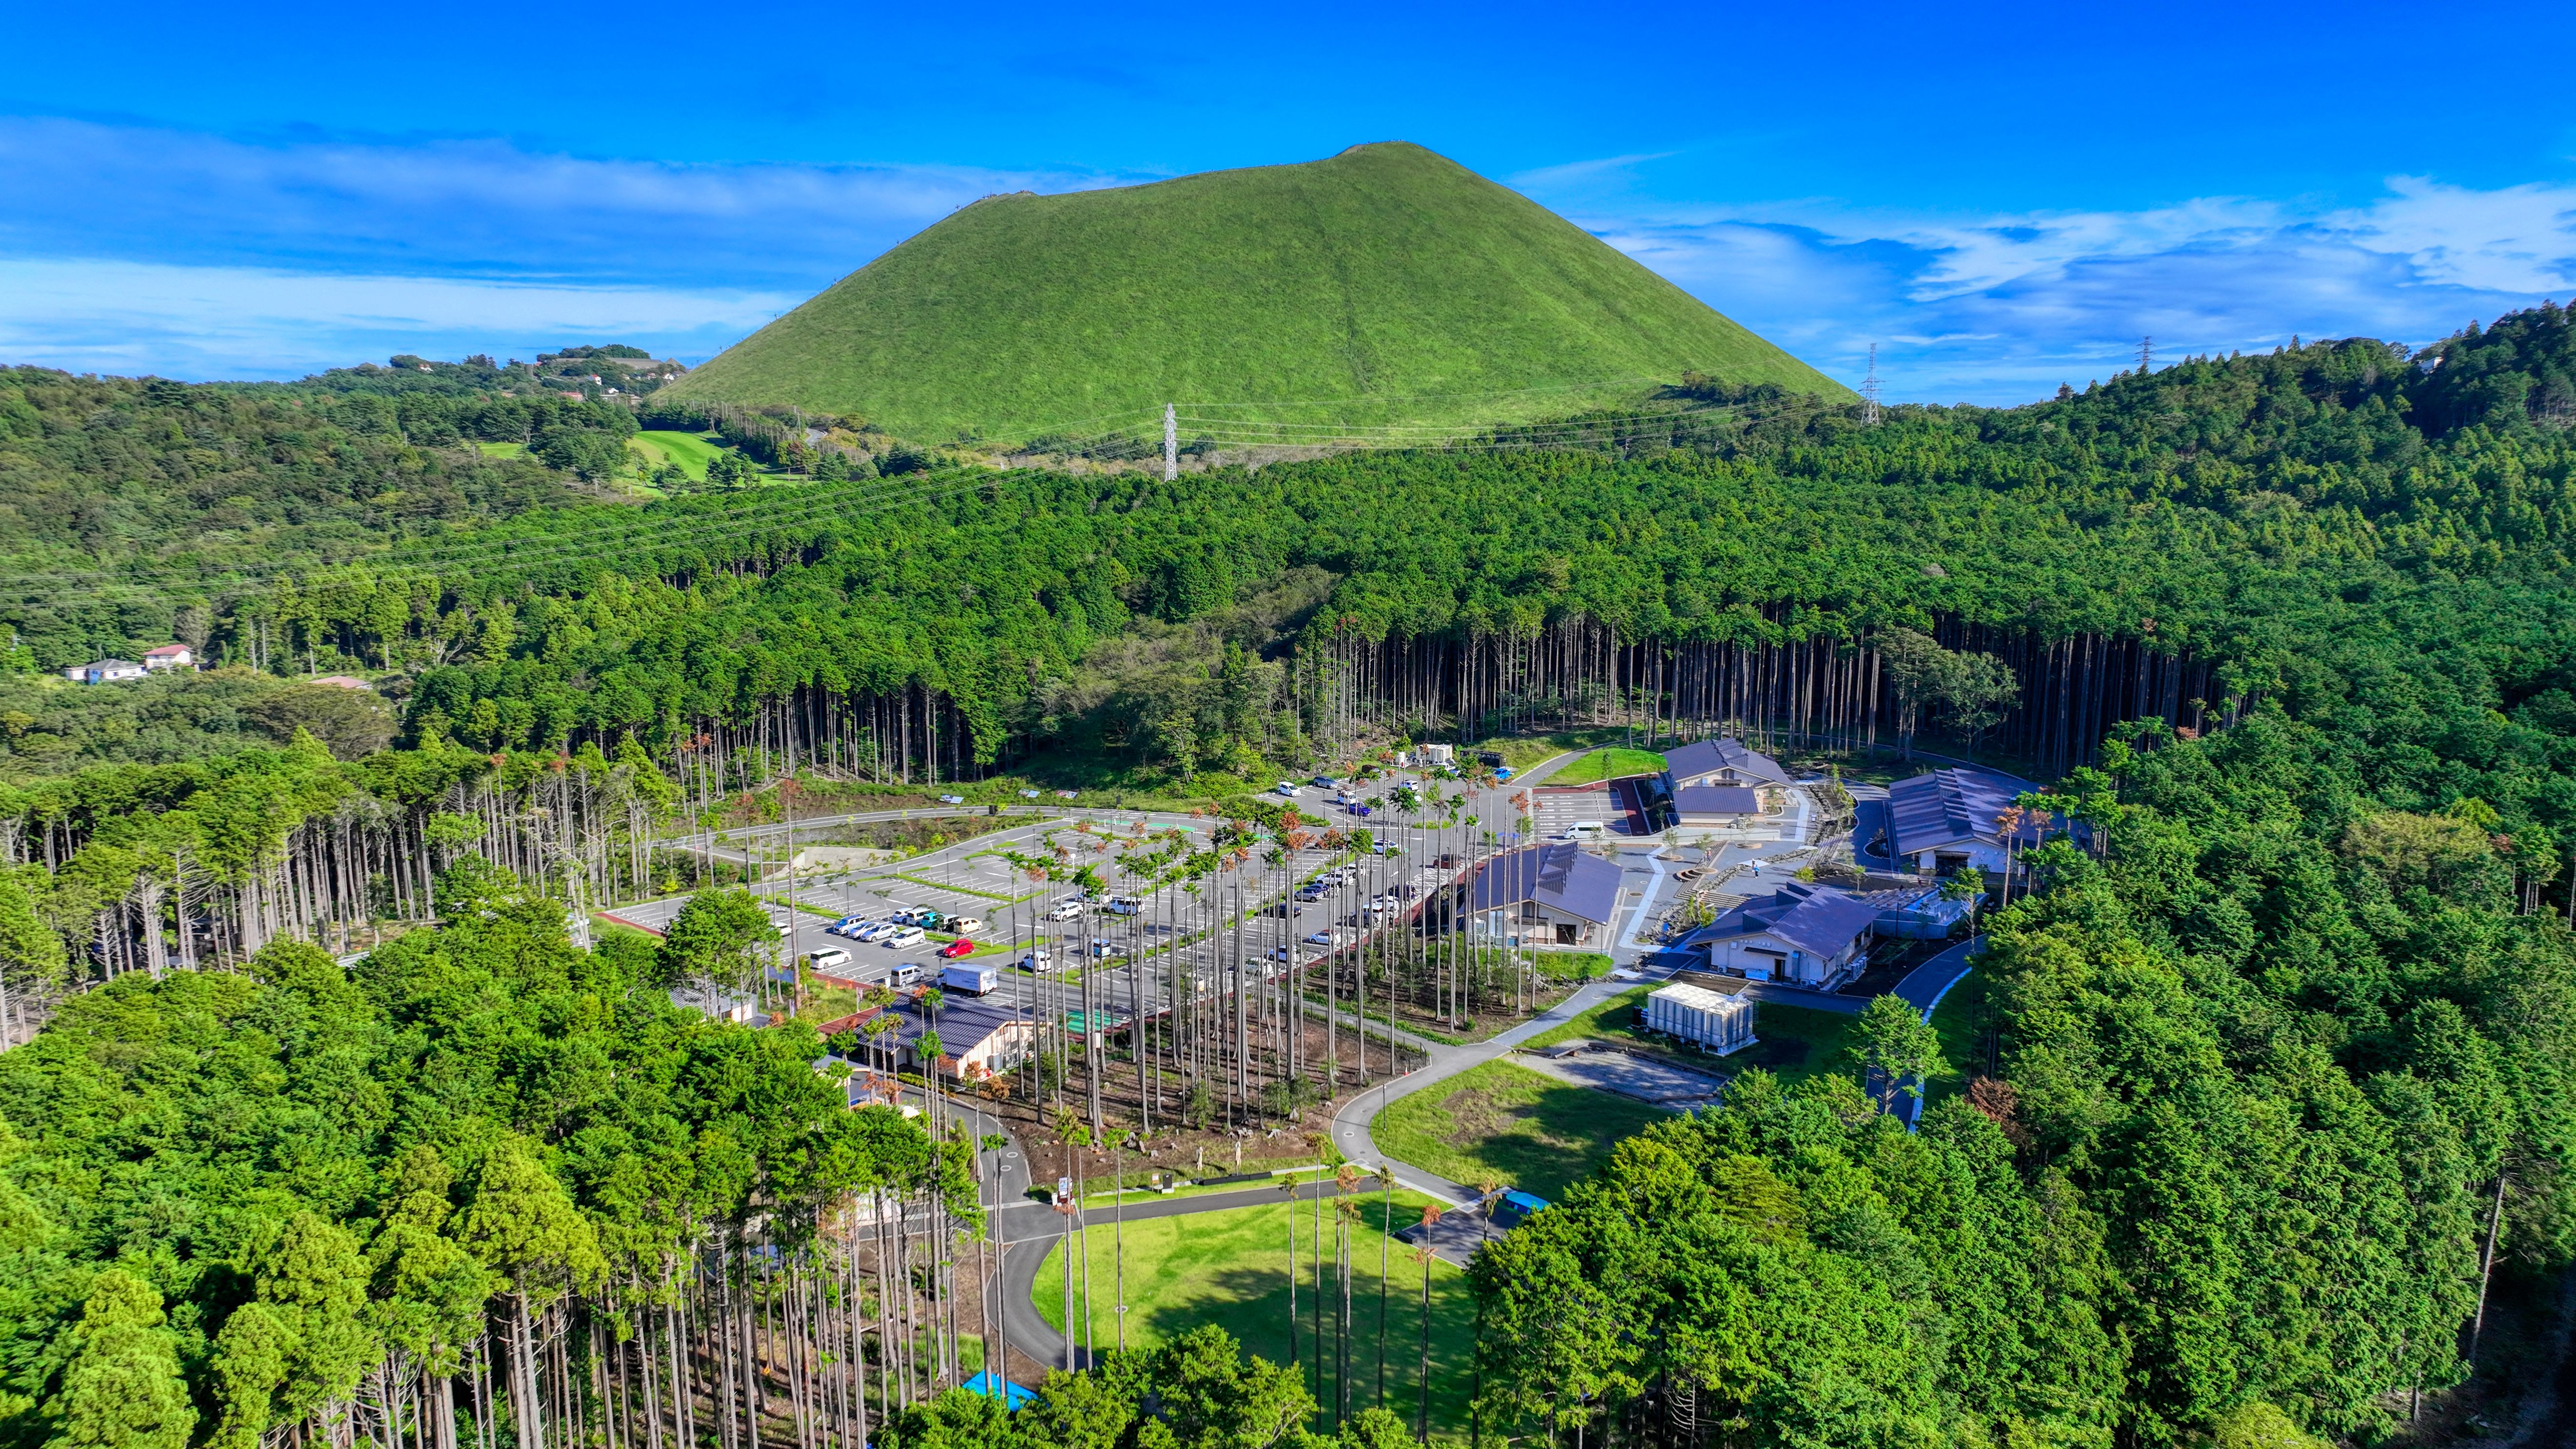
(1103, 946)
(1323, 782)
(952, 799)
(1360, 810)
(1123, 905)
(846, 925)
(903, 915)
(1037, 963)
(907, 936)
(903, 975)
(930, 920)
(1277, 953)
(1065, 911)
(954, 949)
(965, 925)
(1320, 938)
(828, 958)
(1287, 788)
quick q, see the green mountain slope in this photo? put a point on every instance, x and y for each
(1385, 285)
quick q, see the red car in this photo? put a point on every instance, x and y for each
(959, 947)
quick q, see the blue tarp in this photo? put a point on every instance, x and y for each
(1012, 1395)
(1516, 1207)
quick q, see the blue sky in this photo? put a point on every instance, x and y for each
(2000, 197)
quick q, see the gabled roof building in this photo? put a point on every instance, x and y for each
(1802, 934)
(1551, 893)
(1947, 821)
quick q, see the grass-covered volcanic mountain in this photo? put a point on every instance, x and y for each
(1387, 285)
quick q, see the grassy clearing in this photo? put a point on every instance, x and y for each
(502, 450)
(1960, 1019)
(1795, 1042)
(1510, 1124)
(1609, 764)
(1231, 1268)
(690, 452)
(1611, 1018)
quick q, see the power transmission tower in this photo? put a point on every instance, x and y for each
(1171, 444)
(2146, 355)
(1869, 391)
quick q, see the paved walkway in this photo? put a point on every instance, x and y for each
(1923, 988)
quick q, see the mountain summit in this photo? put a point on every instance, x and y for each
(1384, 286)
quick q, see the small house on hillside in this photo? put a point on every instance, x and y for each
(1548, 894)
(1802, 934)
(169, 656)
(104, 671)
(1948, 821)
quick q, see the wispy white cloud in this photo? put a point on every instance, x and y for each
(191, 255)
(2000, 308)
(237, 322)
(462, 208)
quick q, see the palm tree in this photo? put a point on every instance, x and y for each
(1345, 1181)
(1288, 1187)
(1385, 1246)
(1422, 1255)
(1072, 1134)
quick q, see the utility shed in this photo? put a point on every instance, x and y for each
(1712, 1020)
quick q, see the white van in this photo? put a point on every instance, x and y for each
(964, 925)
(1585, 830)
(829, 958)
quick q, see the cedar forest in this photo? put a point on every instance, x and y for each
(2273, 1105)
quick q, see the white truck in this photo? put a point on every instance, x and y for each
(974, 979)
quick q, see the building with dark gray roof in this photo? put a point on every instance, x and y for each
(1946, 821)
(1554, 893)
(1722, 762)
(1804, 934)
(1708, 804)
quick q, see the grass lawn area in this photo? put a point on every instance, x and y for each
(1610, 764)
(1231, 1269)
(1508, 1122)
(1961, 1019)
(691, 451)
(1609, 1019)
(502, 450)
(1793, 1042)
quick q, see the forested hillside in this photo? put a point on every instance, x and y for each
(2268, 1072)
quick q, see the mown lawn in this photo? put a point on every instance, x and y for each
(690, 451)
(1230, 1268)
(1614, 763)
(1961, 1021)
(1509, 1124)
(1793, 1043)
